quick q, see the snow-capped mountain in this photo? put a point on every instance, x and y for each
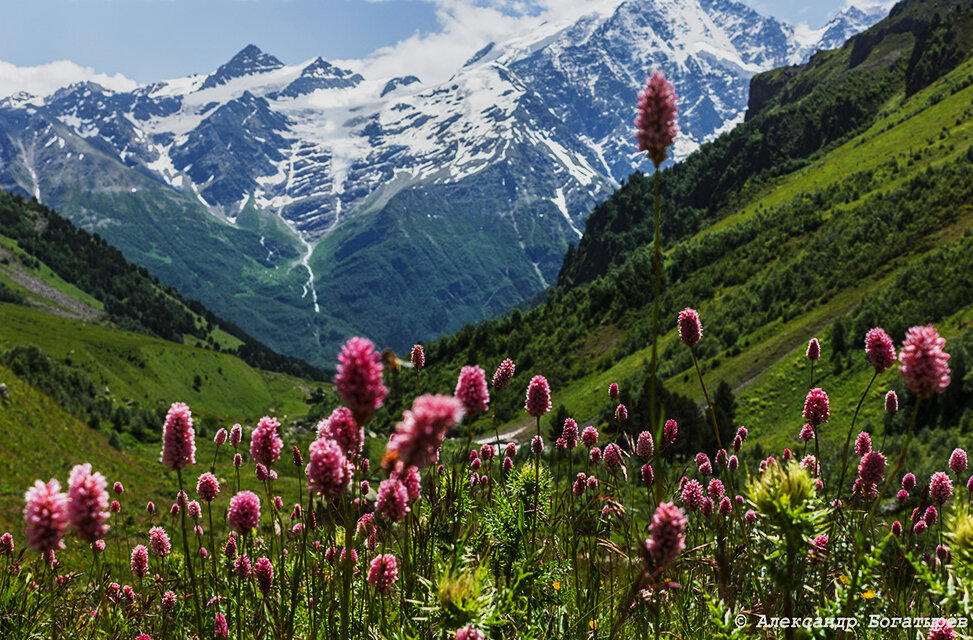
(331, 167)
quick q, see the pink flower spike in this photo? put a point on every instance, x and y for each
(813, 349)
(265, 444)
(46, 516)
(359, 379)
(645, 446)
(690, 328)
(924, 363)
(244, 512)
(880, 349)
(538, 397)
(341, 427)
(891, 402)
(957, 461)
(418, 357)
(655, 123)
(940, 487)
(613, 391)
(669, 431)
(328, 471)
(863, 443)
(503, 374)
(87, 503)
(816, 407)
(383, 572)
(393, 500)
(207, 487)
(178, 438)
(621, 412)
(666, 535)
(140, 561)
(420, 434)
(471, 389)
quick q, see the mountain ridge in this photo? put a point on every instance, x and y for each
(245, 157)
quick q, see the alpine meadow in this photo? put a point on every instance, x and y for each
(655, 322)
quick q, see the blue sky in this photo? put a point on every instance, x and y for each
(148, 40)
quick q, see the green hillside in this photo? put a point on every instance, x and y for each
(868, 222)
(94, 350)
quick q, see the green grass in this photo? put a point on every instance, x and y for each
(148, 370)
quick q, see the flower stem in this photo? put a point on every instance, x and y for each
(189, 560)
(657, 286)
(898, 465)
(851, 429)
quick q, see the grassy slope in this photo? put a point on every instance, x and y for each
(39, 440)
(149, 370)
(908, 133)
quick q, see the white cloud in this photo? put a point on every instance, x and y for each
(47, 78)
(465, 27)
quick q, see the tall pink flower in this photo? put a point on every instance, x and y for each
(891, 402)
(244, 512)
(669, 431)
(621, 412)
(690, 328)
(816, 407)
(871, 469)
(236, 435)
(880, 349)
(613, 391)
(471, 389)
(589, 437)
(383, 572)
(645, 445)
(419, 435)
(265, 444)
(503, 374)
(570, 433)
(87, 503)
(140, 561)
(813, 349)
(264, 571)
(924, 363)
(666, 535)
(393, 499)
(692, 494)
(178, 438)
(46, 516)
(159, 542)
(940, 487)
(359, 379)
(418, 357)
(207, 487)
(220, 438)
(341, 427)
(613, 456)
(538, 397)
(957, 461)
(656, 120)
(328, 472)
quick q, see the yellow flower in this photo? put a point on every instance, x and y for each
(868, 594)
(844, 579)
(593, 624)
(557, 586)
